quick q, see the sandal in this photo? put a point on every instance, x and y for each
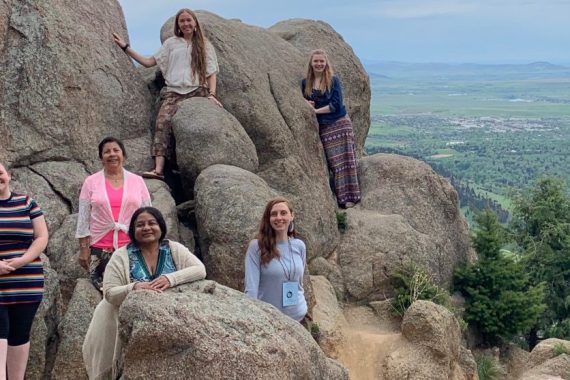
(153, 175)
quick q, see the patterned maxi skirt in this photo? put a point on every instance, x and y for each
(338, 141)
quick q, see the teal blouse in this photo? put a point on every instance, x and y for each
(138, 270)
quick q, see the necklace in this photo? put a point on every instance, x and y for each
(116, 179)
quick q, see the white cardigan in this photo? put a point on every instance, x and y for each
(102, 345)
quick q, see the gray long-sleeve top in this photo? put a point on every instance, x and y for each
(264, 282)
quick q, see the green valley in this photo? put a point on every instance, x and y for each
(489, 127)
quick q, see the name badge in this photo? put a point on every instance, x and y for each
(290, 293)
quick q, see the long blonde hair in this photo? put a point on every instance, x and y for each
(198, 54)
(326, 80)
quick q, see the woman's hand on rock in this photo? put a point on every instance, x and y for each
(119, 40)
(160, 283)
(145, 286)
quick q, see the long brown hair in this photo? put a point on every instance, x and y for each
(266, 235)
(198, 55)
(326, 80)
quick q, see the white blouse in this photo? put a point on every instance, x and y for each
(174, 59)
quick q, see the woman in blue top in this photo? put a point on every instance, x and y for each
(322, 91)
(275, 262)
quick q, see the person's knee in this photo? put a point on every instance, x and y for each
(21, 320)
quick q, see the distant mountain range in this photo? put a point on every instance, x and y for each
(468, 71)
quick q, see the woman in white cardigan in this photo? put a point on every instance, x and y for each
(148, 263)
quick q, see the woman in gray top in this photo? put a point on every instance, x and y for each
(275, 262)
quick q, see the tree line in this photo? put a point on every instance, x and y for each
(523, 294)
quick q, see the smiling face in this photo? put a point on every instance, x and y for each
(112, 156)
(319, 63)
(186, 23)
(147, 229)
(280, 217)
(4, 182)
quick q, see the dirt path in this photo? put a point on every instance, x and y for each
(368, 340)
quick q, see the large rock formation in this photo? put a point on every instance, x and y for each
(408, 212)
(258, 84)
(229, 203)
(545, 363)
(434, 350)
(63, 251)
(44, 330)
(54, 207)
(207, 135)
(552, 369)
(72, 330)
(546, 350)
(207, 331)
(328, 316)
(162, 199)
(64, 84)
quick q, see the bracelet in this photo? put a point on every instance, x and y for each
(125, 47)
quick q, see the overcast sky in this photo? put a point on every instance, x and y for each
(481, 31)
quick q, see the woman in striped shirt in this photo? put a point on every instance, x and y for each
(23, 236)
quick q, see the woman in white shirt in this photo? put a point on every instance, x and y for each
(189, 65)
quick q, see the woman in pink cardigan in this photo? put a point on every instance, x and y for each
(107, 202)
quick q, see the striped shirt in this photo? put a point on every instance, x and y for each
(26, 284)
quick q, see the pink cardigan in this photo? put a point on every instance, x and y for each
(95, 216)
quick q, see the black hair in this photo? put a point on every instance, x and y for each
(110, 139)
(156, 214)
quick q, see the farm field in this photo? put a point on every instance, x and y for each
(492, 128)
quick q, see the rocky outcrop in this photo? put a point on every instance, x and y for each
(308, 35)
(556, 368)
(44, 330)
(327, 314)
(434, 348)
(329, 268)
(545, 350)
(65, 84)
(545, 363)
(408, 212)
(432, 326)
(207, 331)
(72, 330)
(65, 180)
(386, 312)
(207, 135)
(161, 198)
(63, 251)
(259, 85)
(55, 209)
(228, 219)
